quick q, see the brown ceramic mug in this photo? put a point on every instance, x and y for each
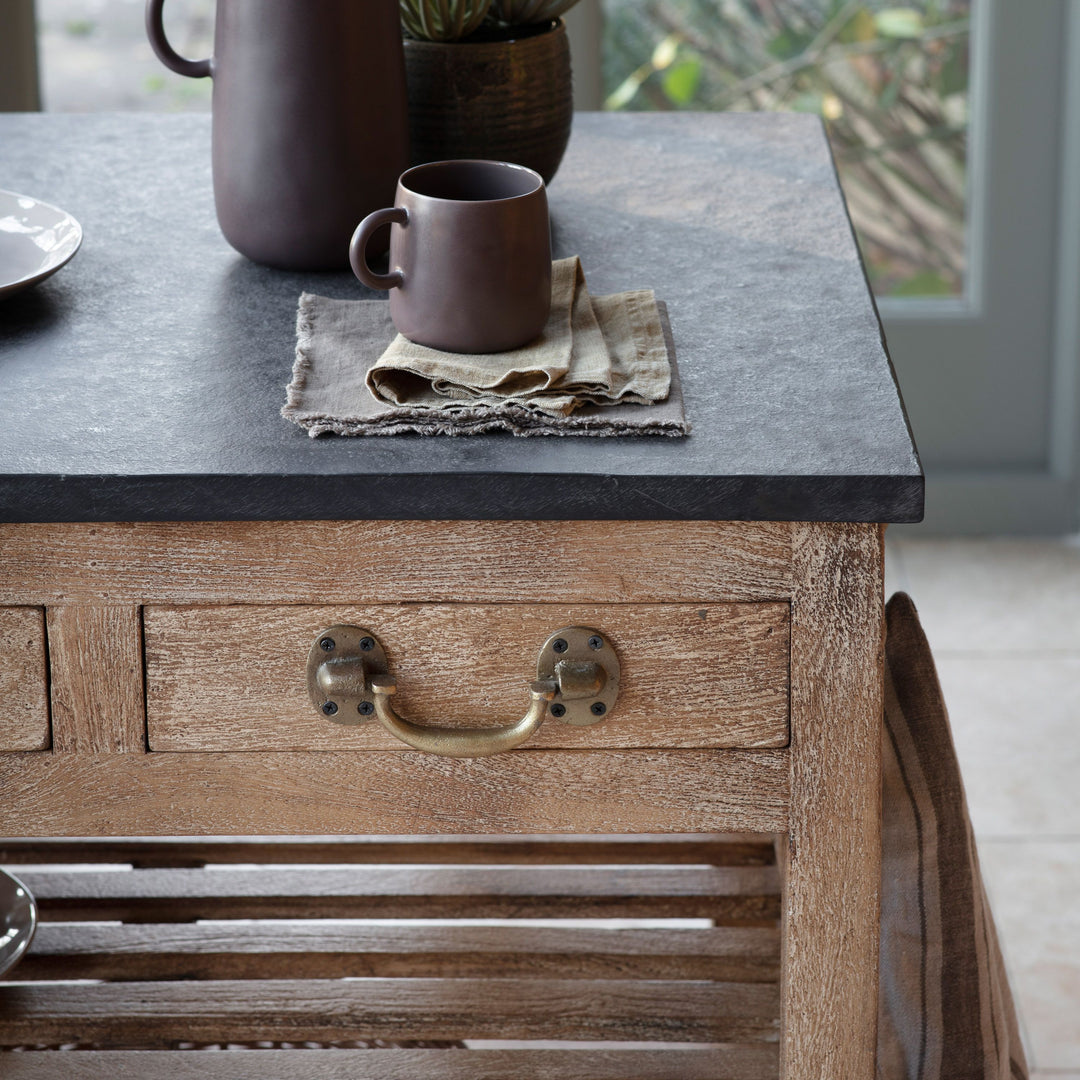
(470, 255)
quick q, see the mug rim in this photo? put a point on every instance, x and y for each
(501, 165)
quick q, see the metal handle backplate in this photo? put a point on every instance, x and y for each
(577, 682)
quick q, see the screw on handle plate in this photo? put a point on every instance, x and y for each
(584, 664)
(340, 665)
(577, 683)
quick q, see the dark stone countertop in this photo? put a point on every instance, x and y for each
(144, 380)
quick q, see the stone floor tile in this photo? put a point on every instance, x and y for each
(995, 594)
(1034, 887)
(1015, 719)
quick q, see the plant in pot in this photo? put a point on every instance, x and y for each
(488, 79)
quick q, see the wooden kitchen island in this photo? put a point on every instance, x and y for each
(172, 553)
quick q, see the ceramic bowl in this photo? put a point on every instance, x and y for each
(36, 239)
(18, 920)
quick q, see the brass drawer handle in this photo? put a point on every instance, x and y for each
(462, 742)
(577, 683)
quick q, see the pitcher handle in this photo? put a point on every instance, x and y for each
(155, 31)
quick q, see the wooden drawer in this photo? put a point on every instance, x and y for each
(24, 704)
(232, 678)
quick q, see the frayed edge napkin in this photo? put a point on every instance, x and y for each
(596, 370)
(592, 351)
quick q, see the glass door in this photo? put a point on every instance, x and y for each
(890, 83)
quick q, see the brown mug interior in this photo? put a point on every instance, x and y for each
(471, 181)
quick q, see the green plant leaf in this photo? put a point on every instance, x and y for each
(860, 27)
(807, 103)
(623, 94)
(899, 23)
(890, 92)
(954, 73)
(681, 80)
(924, 283)
(786, 44)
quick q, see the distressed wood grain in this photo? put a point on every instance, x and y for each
(24, 703)
(725, 894)
(95, 659)
(731, 1062)
(693, 675)
(718, 849)
(305, 950)
(528, 791)
(152, 1015)
(821, 791)
(832, 899)
(355, 562)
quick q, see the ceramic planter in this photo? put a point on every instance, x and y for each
(506, 100)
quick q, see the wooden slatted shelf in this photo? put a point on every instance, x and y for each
(334, 951)
(729, 894)
(135, 965)
(723, 1063)
(727, 849)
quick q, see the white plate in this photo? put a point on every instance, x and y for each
(18, 918)
(36, 239)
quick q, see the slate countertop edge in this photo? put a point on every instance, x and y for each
(44, 499)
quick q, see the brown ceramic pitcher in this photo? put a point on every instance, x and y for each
(310, 128)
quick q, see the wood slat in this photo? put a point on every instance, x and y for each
(313, 562)
(725, 849)
(307, 951)
(24, 702)
(528, 791)
(728, 894)
(150, 1015)
(693, 675)
(748, 1062)
(96, 668)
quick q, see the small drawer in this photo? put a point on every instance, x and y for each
(24, 696)
(233, 678)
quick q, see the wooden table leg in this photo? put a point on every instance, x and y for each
(832, 894)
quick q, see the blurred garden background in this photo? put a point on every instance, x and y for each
(891, 84)
(94, 56)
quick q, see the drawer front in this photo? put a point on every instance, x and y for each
(24, 705)
(233, 678)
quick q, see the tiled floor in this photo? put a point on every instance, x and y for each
(1003, 620)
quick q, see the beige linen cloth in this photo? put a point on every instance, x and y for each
(603, 365)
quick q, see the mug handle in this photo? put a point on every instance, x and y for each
(155, 31)
(358, 247)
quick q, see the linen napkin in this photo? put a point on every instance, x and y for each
(602, 366)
